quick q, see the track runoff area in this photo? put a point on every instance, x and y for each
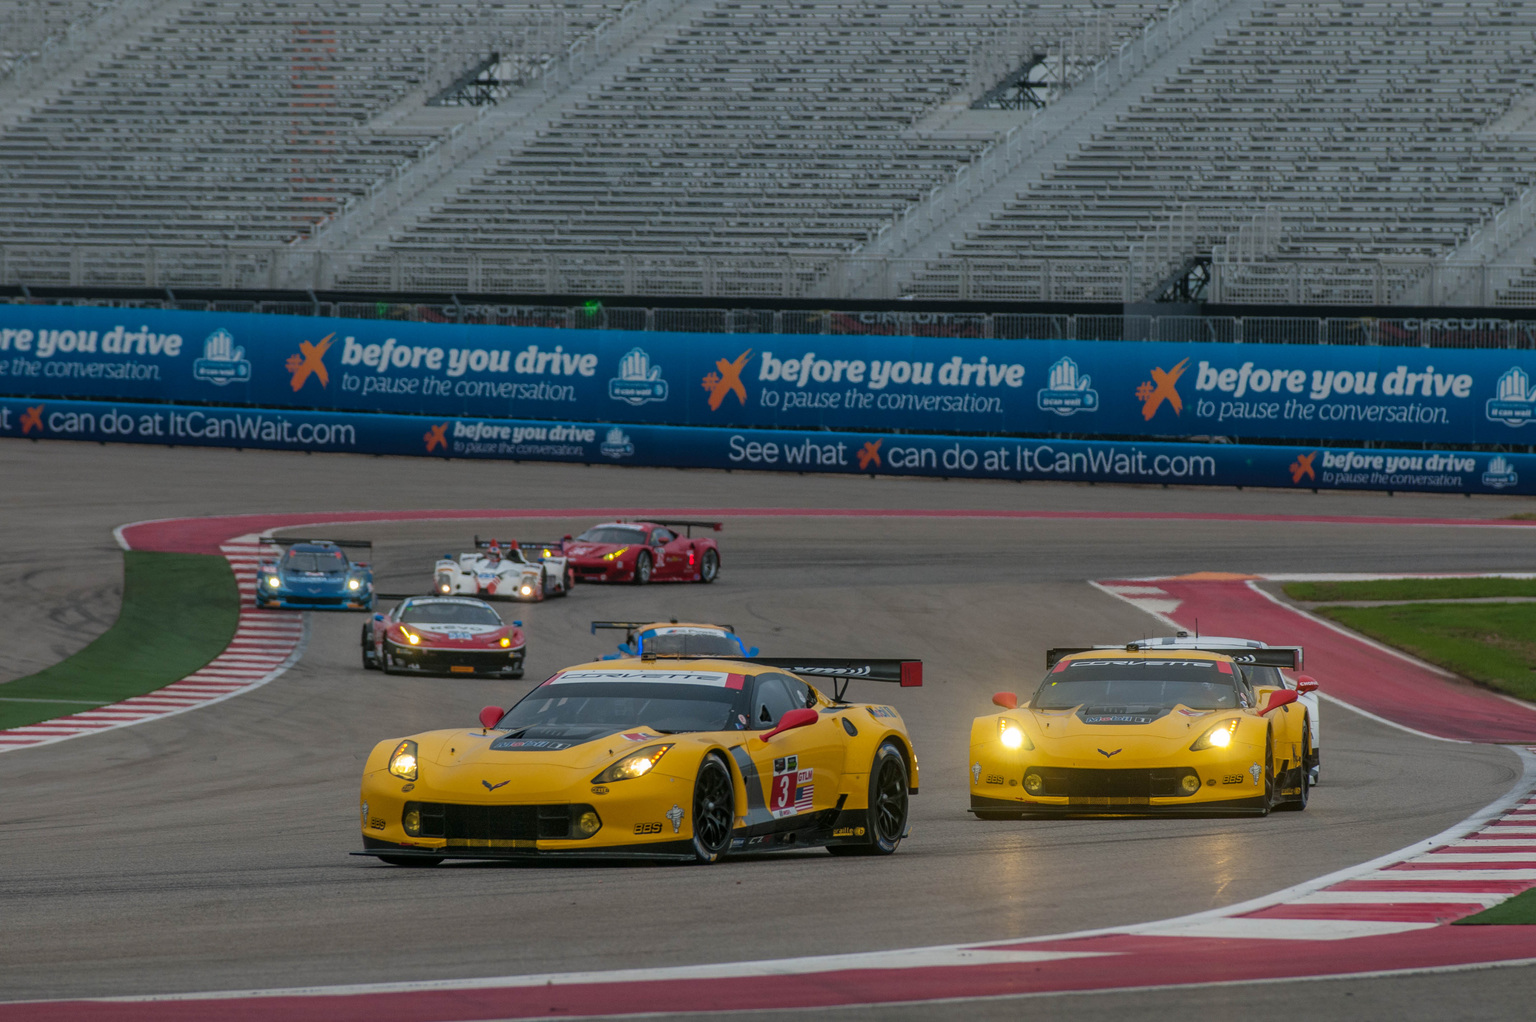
(1388, 915)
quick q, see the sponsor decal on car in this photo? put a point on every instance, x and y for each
(790, 789)
(675, 814)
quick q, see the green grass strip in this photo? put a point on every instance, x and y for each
(1517, 911)
(1493, 643)
(1411, 589)
(179, 612)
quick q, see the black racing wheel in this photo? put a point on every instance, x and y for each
(709, 570)
(1303, 772)
(886, 817)
(370, 662)
(714, 809)
(643, 568)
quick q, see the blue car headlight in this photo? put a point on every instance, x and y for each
(273, 582)
(354, 584)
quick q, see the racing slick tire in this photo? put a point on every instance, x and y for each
(1269, 773)
(889, 804)
(714, 809)
(1303, 772)
(709, 569)
(409, 860)
(369, 663)
(642, 568)
(567, 582)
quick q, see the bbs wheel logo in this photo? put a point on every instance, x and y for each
(647, 828)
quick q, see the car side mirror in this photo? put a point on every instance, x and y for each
(1306, 683)
(1278, 698)
(792, 720)
(489, 716)
(752, 651)
(1007, 700)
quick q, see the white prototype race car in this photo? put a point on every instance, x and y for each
(1304, 685)
(516, 571)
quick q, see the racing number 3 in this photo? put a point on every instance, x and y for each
(783, 795)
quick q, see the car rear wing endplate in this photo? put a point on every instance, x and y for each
(1286, 657)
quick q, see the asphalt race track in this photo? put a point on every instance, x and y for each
(208, 851)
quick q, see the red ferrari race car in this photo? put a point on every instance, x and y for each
(444, 635)
(642, 552)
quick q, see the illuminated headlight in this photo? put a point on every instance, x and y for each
(616, 554)
(505, 642)
(354, 584)
(410, 636)
(1012, 736)
(527, 590)
(274, 581)
(636, 764)
(444, 587)
(402, 762)
(1218, 736)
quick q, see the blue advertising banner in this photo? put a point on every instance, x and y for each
(940, 385)
(784, 450)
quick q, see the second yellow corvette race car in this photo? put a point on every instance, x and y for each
(1131, 730)
(676, 758)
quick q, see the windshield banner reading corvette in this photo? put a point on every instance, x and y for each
(940, 385)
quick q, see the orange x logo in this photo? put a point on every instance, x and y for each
(312, 360)
(1302, 466)
(1152, 397)
(727, 380)
(436, 436)
(870, 452)
(32, 420)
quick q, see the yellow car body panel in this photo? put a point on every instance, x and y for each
(1076, 766)
(502, 797)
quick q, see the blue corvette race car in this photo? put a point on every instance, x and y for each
(675, 639)
(315, 574)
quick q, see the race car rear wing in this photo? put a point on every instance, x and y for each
(287, 541)
(631, 627)
(906, 673)
(681, 523)
(290, 541)
(1286, 657)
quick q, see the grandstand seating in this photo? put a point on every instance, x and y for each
(241, 122)
(29, 26)
(761, 126)
(1360, 124)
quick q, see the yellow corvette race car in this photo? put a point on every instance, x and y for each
(657, 757)
(1133, 730)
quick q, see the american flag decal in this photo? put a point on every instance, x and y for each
(803, 796)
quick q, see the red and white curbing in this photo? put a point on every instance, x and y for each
(265, 645)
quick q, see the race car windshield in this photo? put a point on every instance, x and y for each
(621, 704)
(305, 560)
(1197, 684)
(692, 643)
(449, 614)
(612, 534)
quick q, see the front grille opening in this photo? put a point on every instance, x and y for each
(1067, 782)
(496, 823)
